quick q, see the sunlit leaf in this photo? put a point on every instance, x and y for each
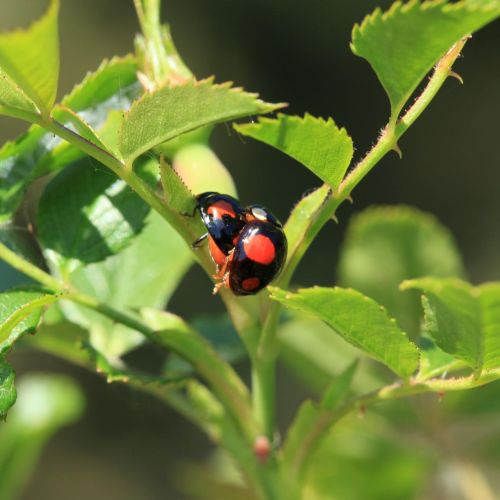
(173, 110)
(404, 43)
(30, 57)
(463, 320)
(13, 100)
(301, 218)
(360, 321)
(384, 246)
(318, 144)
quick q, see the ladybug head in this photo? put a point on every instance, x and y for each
(261, 213)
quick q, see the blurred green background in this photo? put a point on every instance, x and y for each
(130, 446)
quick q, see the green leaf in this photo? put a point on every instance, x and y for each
(75, 122)
(31, 58)
(463, 320)
(20, 312)
(359, 320)
(385, 245)
(303, 215)
(146, 273)
(404, 43)
(315, 356)
(87, 214)
(7, 388)
(339, 388)
(303, 421)
(13, 100)
(434, 361)
(318, 144)
(111, 87)
(174, 110)
(177, 194)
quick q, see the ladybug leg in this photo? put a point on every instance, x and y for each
(197, 243)
(221, 284)
(221, 270)
(222, 274)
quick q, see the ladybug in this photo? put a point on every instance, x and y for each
(258, 256)
(224, 219)
(248, 244)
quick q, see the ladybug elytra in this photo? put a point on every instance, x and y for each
(224, 219)
(257, 258)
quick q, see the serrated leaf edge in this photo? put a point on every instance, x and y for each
(208, 83)
(91, 75)
(290, 295)
(379, 15)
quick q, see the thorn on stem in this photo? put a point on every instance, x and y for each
(456, 76)
(397, 149)
(262, 449)
(349, 199)
(334, 218)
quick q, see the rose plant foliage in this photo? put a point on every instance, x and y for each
(114, 159)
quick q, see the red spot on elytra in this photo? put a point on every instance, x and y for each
(220, 208)
(260, 249)
(250, 283)
(217, 254)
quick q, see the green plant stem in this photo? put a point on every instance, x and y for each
(263, 395)
(268, 347)
(148, 12)
(29, 269)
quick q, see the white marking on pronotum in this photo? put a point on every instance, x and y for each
(260, 214)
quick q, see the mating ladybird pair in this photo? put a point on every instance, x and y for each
(247, 244)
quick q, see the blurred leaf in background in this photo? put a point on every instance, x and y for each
(45, 403)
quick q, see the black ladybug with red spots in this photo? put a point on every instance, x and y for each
(248, 245)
